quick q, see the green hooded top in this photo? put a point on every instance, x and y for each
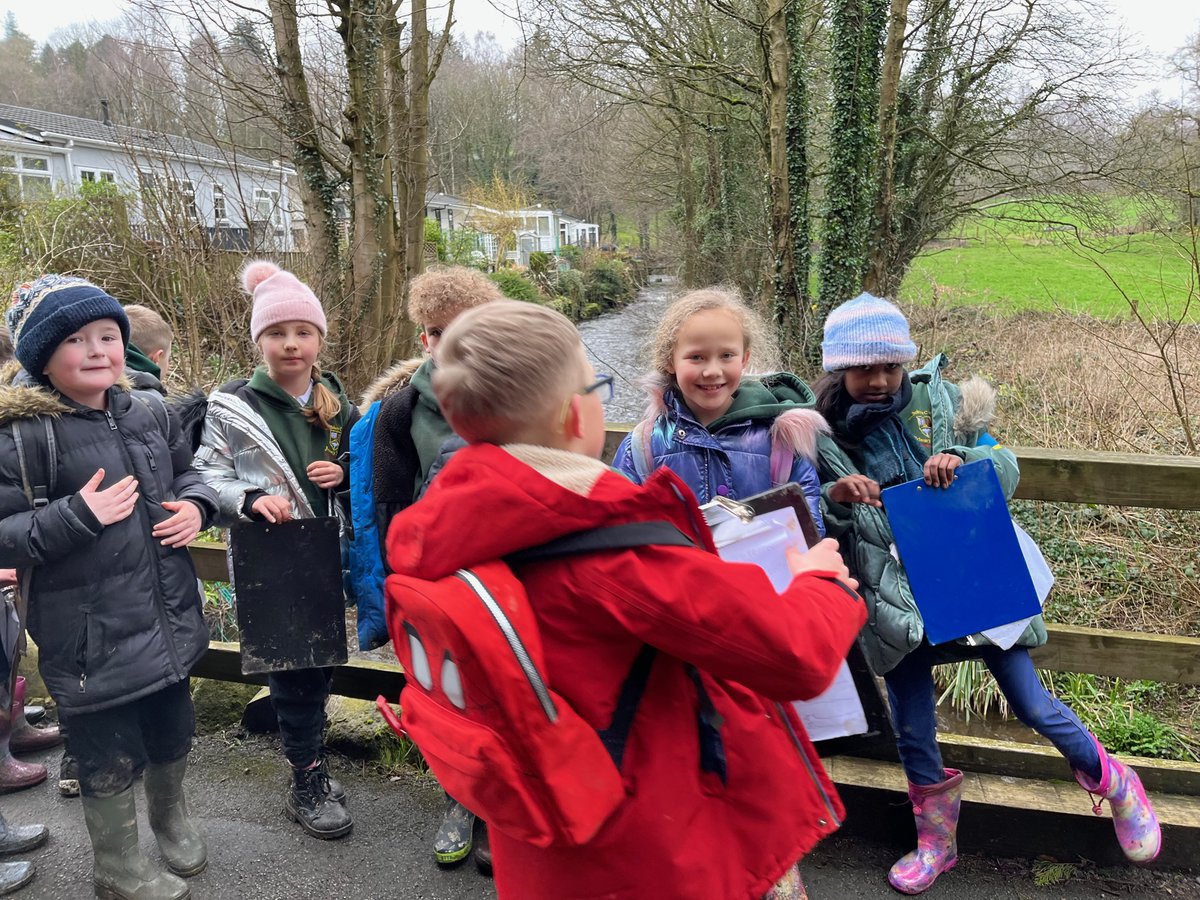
(429, 428)
(301, 441)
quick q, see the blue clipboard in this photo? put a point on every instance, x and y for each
(961, 553)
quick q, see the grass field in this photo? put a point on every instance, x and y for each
(1045, 256)
(1103, 279)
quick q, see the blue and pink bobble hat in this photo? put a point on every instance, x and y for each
(45, 312)
(866, 331)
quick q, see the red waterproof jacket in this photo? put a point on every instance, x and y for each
(683, 833)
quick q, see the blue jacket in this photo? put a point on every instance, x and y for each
(732, 457)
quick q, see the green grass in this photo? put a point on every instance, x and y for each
(1054, 272)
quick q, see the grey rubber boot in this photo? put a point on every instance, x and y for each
(14, 876)
(21, 838)
(181, 844)
(121, 872)
(452, 844)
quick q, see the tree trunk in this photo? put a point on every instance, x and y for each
(857, 42)
(317, 186)
(780, 293)
(880, 277)
(805, 336)
(373, 241)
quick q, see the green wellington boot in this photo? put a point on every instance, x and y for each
(181, 844)
(121, 872)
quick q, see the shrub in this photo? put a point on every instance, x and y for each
(515, 286)
(608, 284)
(434, 235)
(570, 284)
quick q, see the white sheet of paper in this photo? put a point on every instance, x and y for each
(1004, 636)
(763, 542)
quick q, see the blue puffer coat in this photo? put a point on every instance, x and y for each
(732, 456)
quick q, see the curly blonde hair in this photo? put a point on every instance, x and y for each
(439, 295)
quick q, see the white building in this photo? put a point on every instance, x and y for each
(237, 201)
(538, 229)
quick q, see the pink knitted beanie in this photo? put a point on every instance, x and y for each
(279, 296)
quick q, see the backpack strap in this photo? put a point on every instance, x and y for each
(39, 469)
(610, 537)
(639, 449)
(615, 537)
(782, 460)
(39, 478)
(154, 402)
(617, 733)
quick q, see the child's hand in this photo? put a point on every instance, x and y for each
(112, 504)
(939, 469)
(8, 577)
(822, 557)
(180, 529)
(272, 508)
(325, 474)
(856, 489)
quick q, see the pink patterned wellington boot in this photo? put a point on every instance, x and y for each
(935, 807)
(1133, 816)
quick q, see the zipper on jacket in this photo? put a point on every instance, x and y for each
(787, 723)
(150, 459)
(112, 423)
(514, 642)
(160, 604)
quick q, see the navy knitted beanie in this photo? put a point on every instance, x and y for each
(46, 312)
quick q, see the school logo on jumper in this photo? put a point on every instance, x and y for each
(334, 442)
(924, 422)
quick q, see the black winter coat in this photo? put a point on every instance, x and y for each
(115, 614)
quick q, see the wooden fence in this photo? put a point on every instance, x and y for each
(1050, 475)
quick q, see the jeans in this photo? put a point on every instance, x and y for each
(299, 701)
(113, 744)
(911, 692)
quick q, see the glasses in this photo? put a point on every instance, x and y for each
(602, 385)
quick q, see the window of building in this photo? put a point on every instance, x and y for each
(97, 176)
(27, 177)
(172, 197)
(266, 207)
(220, 214)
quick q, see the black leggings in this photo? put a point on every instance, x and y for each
(299, 701)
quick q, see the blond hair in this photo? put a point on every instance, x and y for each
(504, 367)
(325, 404)
(666, 337)
(441, 294)
(147, 329)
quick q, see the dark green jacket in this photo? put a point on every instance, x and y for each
(943, 417)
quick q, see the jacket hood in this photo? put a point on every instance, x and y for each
(487, 503)
(757, 397)
(422, 382)
(396, 377)
(23, 398)
(977, 407)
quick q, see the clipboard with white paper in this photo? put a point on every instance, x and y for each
(763, 539)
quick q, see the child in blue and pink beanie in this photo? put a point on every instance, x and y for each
(891, 425)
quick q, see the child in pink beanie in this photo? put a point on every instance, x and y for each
(273, 449)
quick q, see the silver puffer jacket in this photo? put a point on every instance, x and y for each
(238, 455)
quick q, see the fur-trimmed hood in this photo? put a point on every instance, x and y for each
(23, 398)
(392, 380)
(976, 409)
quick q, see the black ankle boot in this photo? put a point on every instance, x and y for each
(310, 805)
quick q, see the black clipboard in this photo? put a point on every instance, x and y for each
(287, 578)
(879, 739)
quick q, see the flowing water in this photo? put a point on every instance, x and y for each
(618, 343)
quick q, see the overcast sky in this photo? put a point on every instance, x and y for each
(1161, 25)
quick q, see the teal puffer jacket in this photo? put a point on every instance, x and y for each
(943, 417)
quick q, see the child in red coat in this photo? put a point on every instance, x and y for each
(724, 791)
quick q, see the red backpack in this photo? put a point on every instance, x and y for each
(476, 704)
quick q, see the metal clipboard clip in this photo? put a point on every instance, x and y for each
(736, 508)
